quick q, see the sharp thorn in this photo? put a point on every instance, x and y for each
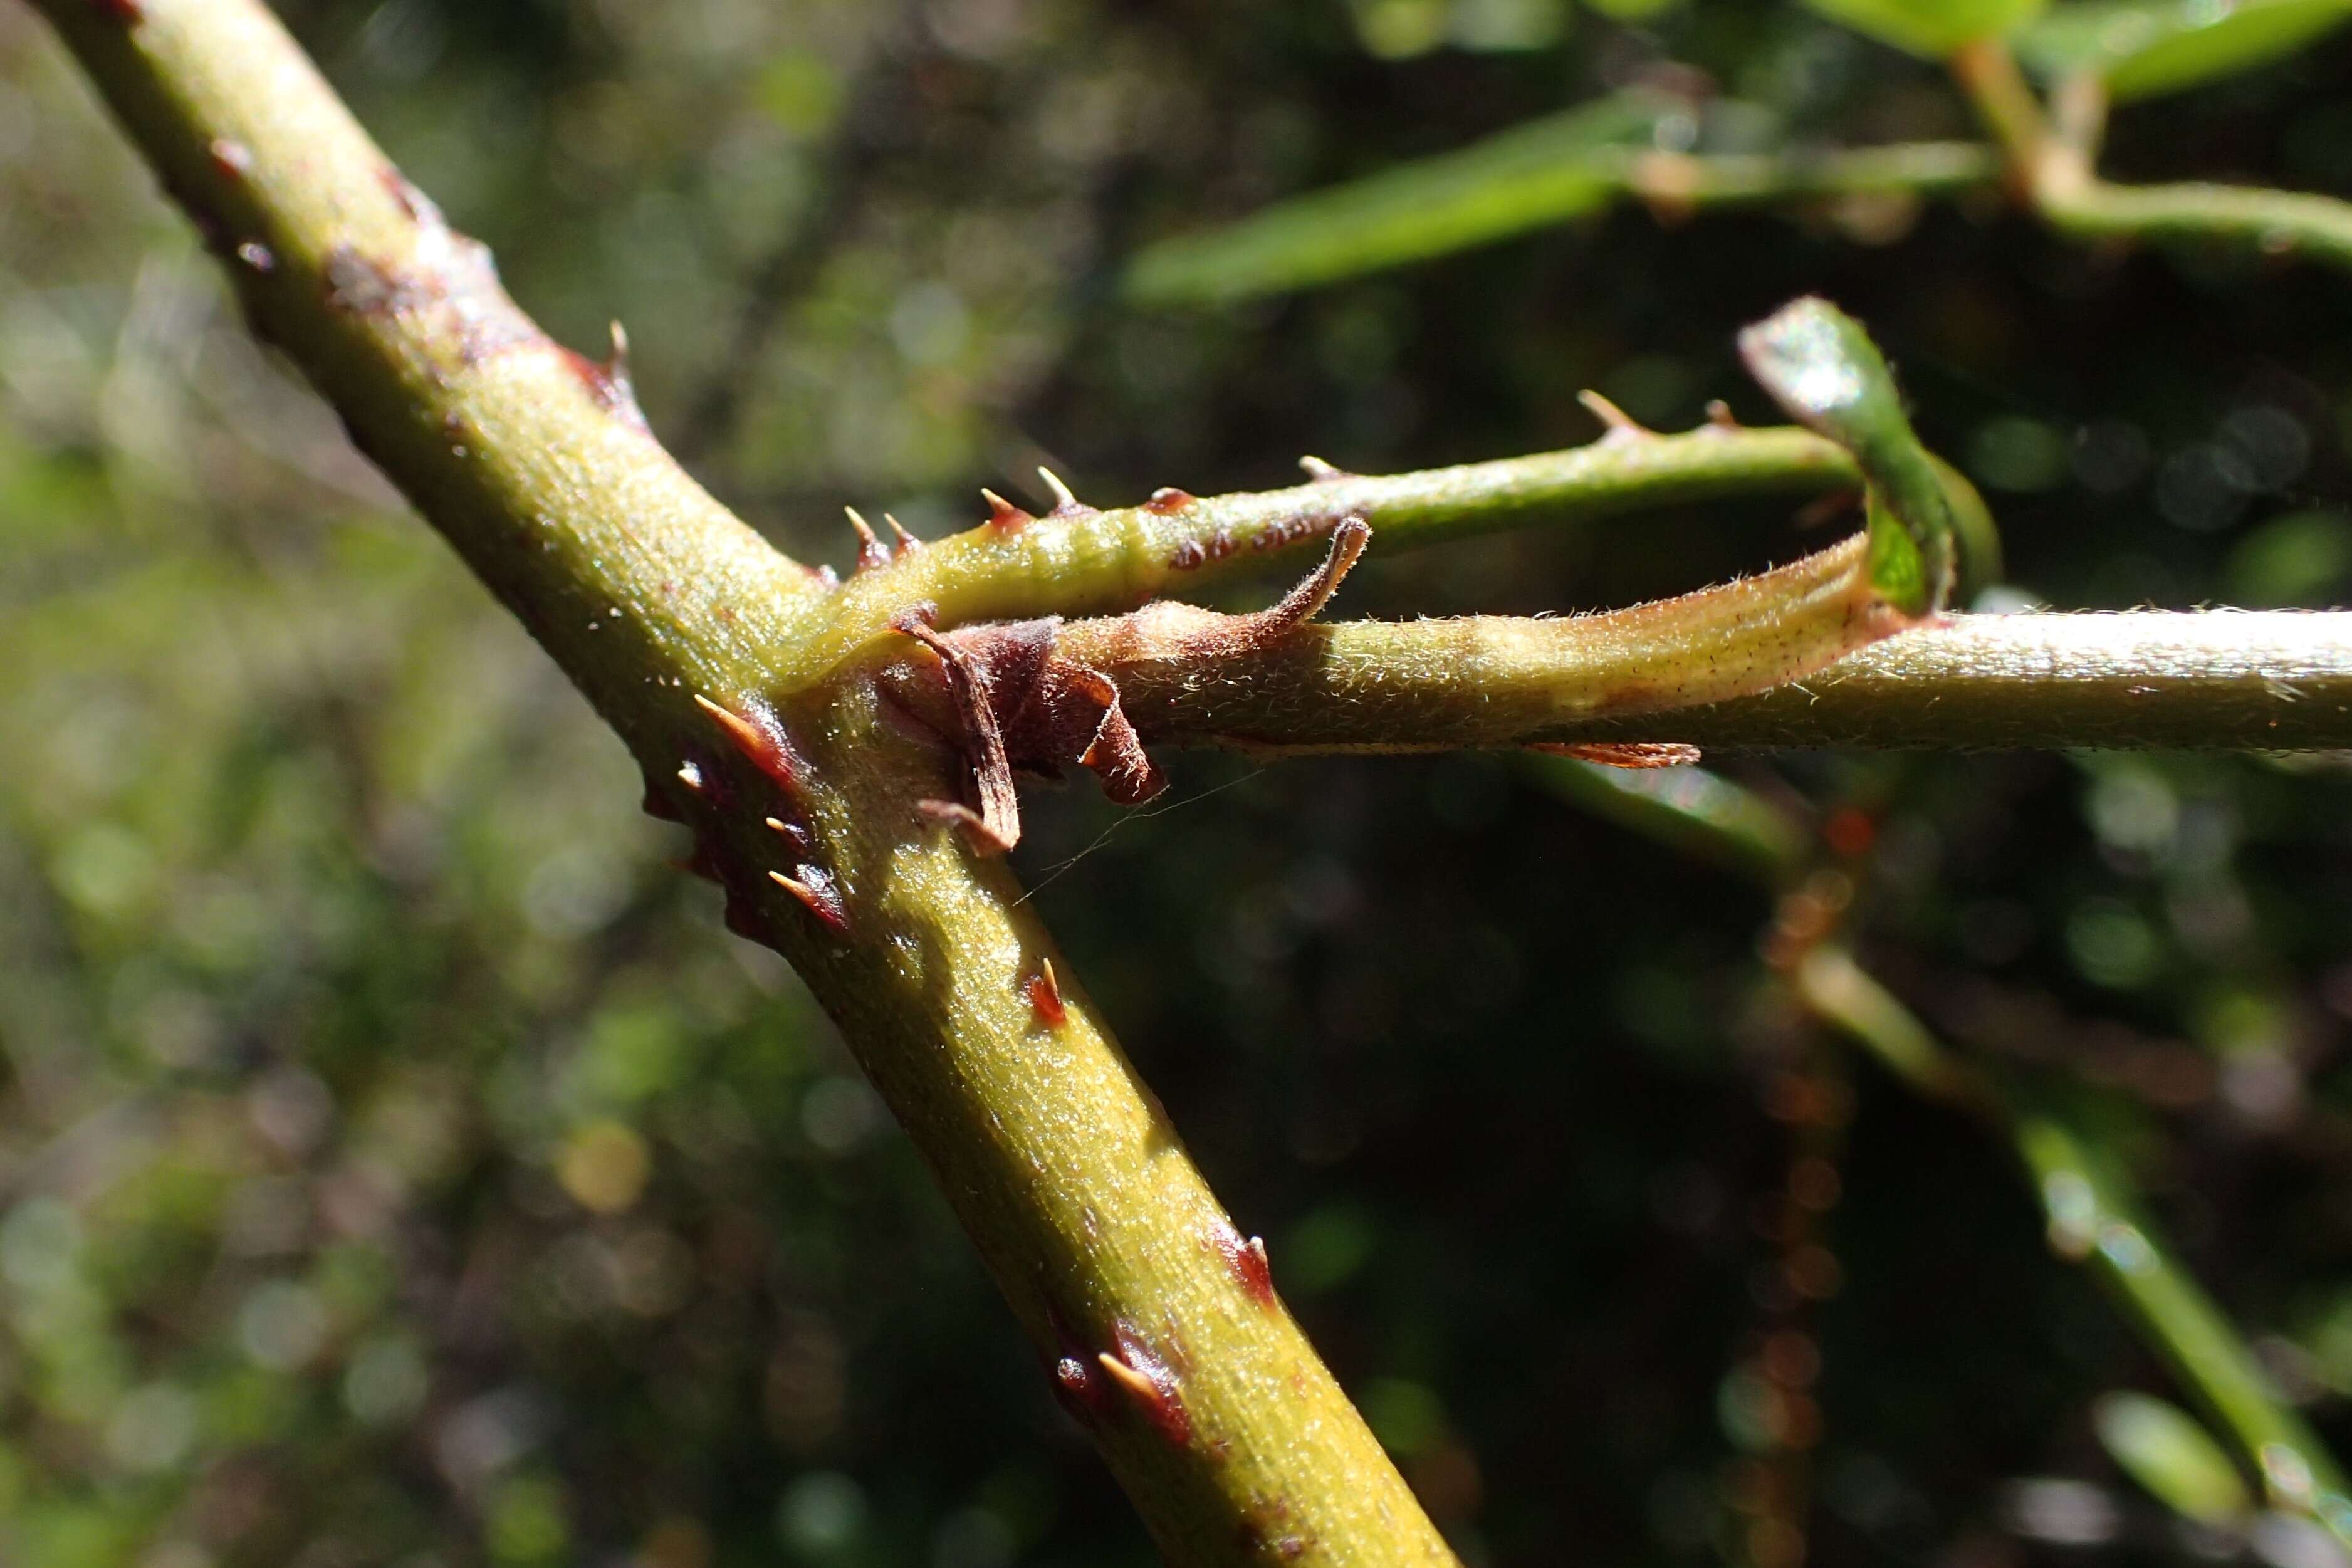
(871, 551)
(1003, 514)
(1320, 472)
(1618, 425)
(906, 540)
(1140, 1388)
(738, 731)
(1064, 501)
(1046, 995)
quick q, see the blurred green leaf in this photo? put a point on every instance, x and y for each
(2302, 559)
(1528, 176)
(1930, 27)
(1820, 366)
(2141, 48)
(2163, 1448)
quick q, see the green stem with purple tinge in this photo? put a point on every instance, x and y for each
(1154, 1316)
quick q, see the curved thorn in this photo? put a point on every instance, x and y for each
(1064, 501)
(1303, 603)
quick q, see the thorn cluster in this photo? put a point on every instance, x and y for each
(1022, 704)
(759, 736)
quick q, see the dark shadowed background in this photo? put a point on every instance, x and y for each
(399, 1164)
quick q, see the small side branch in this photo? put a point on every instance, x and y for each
(1078, 560)
(2264, 680)
(1493, 679)
(2051, 164)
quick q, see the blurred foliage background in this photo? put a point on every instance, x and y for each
(399, 1165)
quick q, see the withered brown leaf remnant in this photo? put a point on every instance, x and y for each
(1020, 706)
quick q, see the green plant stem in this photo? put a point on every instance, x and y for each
(1088, 561)
(1526, 178)
(2278, 681)
(1491, 680)
(2056, 174)
(1230, 1435)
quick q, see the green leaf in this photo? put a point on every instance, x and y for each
(1930, 27)
(1821, 367)
(2141, 48)
(1527, 177)
(2165, 1449)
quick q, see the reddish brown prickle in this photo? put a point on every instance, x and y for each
(127, 12)
(1046, 995)
(1148, 1383)
(1168, 499)
(414, 203)
(760, 737)
(871, 551)
(1247, 1259)
(818, 894)
(232, 160)
(609, 382)
(1003, 515)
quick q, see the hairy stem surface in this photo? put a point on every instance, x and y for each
(2264, 679)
